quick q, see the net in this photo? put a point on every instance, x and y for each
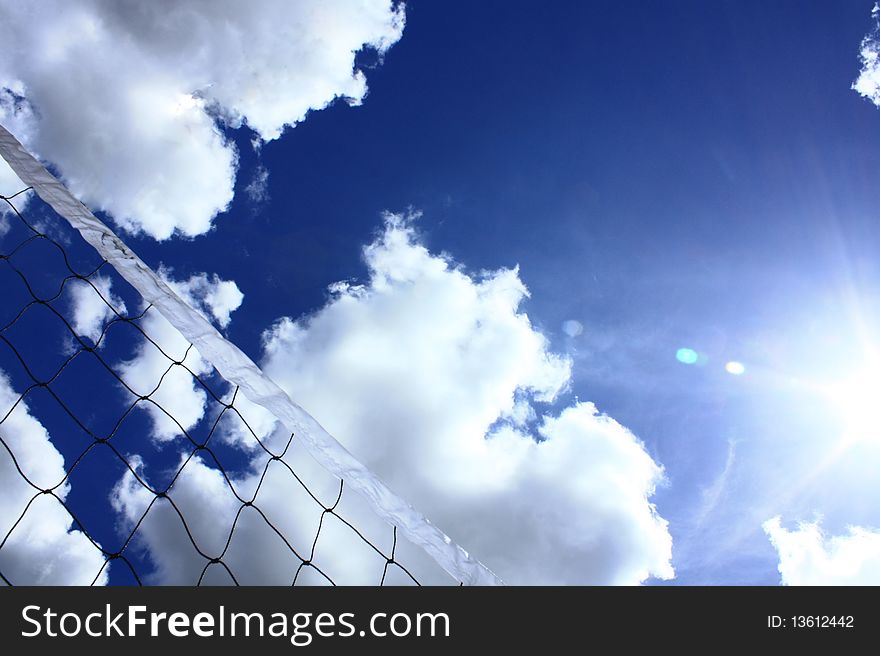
(139, 445)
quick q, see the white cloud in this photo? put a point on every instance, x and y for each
(178, 394)
(93, 306)
(433, 377)
(213, 297)
(9, 184)
(808, 557)
(126, 94)
(868, 82)
(250, 423)
(178, 400)
(258, 188)
(43, 549)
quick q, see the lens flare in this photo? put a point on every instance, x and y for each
(687, 356)
(735, 368)
(572, 328)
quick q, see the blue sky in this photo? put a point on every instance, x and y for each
(693, 174)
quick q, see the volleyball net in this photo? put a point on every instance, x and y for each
(139, 445)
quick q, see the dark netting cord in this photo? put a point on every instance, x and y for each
(83, 348)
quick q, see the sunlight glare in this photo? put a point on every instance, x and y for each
(857, 399)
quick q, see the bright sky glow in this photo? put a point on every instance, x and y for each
(857, 401)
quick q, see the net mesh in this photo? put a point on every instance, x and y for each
(107, 478)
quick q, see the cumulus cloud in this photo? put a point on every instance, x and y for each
(93, 306)
(868, 82)
(438, 381)
(213, 297)
(808, 557)
(127, 96)
(43, 549)
(178, 400)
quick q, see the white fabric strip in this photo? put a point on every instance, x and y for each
(239, 369)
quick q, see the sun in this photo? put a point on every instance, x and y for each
(857, 401)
